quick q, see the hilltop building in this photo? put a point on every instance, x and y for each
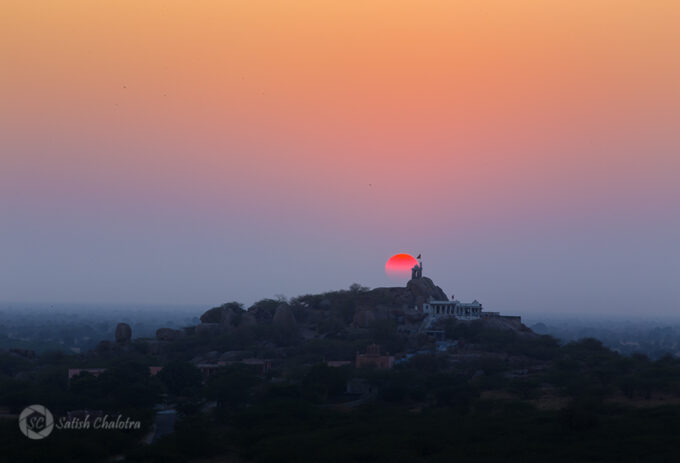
(460, 310)
(437, 307)
(445, 308)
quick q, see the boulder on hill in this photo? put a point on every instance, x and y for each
(423, 290)
(284, 317)
(123, 333)
(226, 314)
(208, 329)
(247, 319)
(415, 293)
(390, 296)
(264, 310)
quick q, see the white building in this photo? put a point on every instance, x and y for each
(457, 309)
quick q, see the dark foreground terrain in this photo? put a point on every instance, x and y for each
(311, 379)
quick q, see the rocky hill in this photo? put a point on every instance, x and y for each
(330, 313)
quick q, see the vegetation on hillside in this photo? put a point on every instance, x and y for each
(479, 394)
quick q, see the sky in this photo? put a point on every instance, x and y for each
(203, 151)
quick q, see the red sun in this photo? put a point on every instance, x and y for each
(400, 265)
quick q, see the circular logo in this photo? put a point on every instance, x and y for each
(36, 422)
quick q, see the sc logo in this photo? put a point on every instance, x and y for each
(36, 422)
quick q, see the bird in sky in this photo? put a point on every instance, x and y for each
(418, 256)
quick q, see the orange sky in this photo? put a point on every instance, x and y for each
(282, 113)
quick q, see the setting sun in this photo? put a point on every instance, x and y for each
(400, 265)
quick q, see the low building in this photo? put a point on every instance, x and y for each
(153, 371)
(263, 365)
(374, 359)
(457, 309)
(338, 363)
(209, 369)
(77, 371)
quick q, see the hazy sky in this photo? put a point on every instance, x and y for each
(205, 151)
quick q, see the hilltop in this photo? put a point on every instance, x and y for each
(337, 314)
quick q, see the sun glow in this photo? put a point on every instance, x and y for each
(399, 266)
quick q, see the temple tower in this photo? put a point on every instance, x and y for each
(417, 271)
